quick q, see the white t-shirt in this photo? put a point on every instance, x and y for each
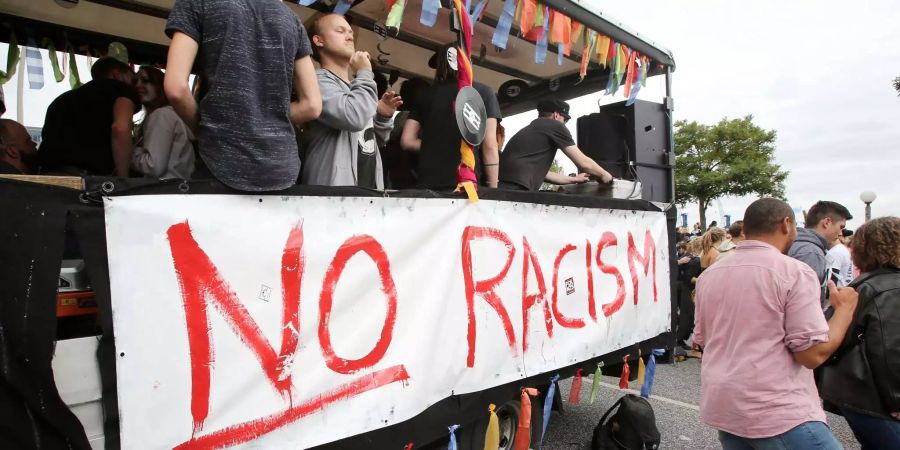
(840, 264)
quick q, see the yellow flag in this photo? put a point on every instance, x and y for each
(602, 49)
(641, 369)
(492, 436)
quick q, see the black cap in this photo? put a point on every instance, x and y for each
(554, 106)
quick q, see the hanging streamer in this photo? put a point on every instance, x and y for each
(523, 431)
(74, 78)
(647, 387)
(492, 436)
(478, 12)
(342, 6)
(12, 59)
(589, 42)
(395, 15)
(645, 65)
(54, 59)
(408, 446)
(429, 12)
(603, 50)
(466, 180)
(540, 53)
(575, 392)
(636, 82)
(527, 16)
(596, 382)
(548, 405)
(501, 33)
(641, 369)
(34, 65)
(626, 373)
(452, 445)
(306, 2)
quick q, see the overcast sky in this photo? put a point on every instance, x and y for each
(818, 72)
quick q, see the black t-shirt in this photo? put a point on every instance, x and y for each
(78, 125)
(439, 157)
(247, 52)
(529, 154)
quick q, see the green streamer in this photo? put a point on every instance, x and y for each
(117, 50)
(54, 59)
(74, 79)
(597, 375)
(12, 59)
(395, 17)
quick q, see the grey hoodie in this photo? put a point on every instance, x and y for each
(810, 247)
(330, 143)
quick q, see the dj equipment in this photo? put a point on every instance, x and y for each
(631, 142)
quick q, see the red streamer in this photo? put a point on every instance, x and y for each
(626, 373)
(575, 393)
(523, 432)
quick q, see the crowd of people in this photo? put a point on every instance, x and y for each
(792, 321)
(260, 116)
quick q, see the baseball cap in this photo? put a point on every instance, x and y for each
(552, 106)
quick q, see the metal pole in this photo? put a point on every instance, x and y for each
(868, 211)
(669, 108)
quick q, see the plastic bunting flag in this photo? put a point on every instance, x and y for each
(548, 405)
(635, 79)
(523, 430)
(74, 79)
(34, 65)
(651, 372)
(408, 446)
(603, 50)
(342, 6)
(117, 50)
(12, 59)
(452, 445)
(306, 2)
(465, 174)
(527, 16)
(54, 59)
(589, 42)
(395, 15)
(596, 382)
(492, 436)
(626, 373)
(429, 12)
(504, 24)
(645, 65)
(540, 53)
(478, 11)
(641, 369)
(575, 392)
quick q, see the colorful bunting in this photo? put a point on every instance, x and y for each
(596, 382)
(452, 445)
(548, 405)
(395, 15)
(575, 392)
(527, 14)
(342, 6)
(523, 431)
(54, 59)
(429, 12)
(306, 2)
(626, 373)
(492, 436)
(504, 24)
(540, 53)
(34, 65)
(74, 78)
(641, 369)
(12, 59)
(478, 12)
(466, 180)
(603, 46)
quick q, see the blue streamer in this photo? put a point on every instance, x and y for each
(468, 5)
(561, 50)
(342, 7)
(452, 445)
(540, 54)
(479, 8)
(34, 66)
(306, 2)
(650, 373)
(501, 34)
(548, 405)
(429, 12)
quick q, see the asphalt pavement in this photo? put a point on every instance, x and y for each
(675, 400)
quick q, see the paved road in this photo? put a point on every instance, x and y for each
(676, 394)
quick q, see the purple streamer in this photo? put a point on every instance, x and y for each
(429, 12)
(501, 34)
(548, 405)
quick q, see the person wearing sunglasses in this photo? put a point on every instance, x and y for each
(526, 160)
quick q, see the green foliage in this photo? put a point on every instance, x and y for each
(732, 157)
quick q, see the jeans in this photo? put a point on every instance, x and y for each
(873, 432)
(806, 436)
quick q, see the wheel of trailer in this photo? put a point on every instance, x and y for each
(472, 437)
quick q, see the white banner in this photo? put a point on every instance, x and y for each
(289, 322)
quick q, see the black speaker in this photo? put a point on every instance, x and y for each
(631, 143)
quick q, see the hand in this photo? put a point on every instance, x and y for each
(684, 260)
(389, 103)
(580, 178)
(606, 178)
(360, 61)
(842, 297)
(896, 415)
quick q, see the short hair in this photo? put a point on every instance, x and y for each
(107, 66)
(876, 244)
(315, 28)
(823, 209)
(6, 130)
(765, 215)
(546, 114)
(736, 228)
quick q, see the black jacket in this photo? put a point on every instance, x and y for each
(869, 385)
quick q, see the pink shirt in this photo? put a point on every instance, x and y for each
(754, 309)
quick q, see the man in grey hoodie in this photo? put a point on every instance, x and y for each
(824, 223)
(341, 147)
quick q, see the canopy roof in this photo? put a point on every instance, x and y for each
(139, 25)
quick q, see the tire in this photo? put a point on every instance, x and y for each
(472, 437)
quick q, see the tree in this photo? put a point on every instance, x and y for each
(732, 157)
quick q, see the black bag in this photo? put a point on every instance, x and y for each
(632, 427)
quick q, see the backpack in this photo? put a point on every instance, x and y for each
(632, 427)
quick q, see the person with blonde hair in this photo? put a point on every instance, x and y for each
(709, 246)
(863, 380)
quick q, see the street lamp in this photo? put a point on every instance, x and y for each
(868, 197)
